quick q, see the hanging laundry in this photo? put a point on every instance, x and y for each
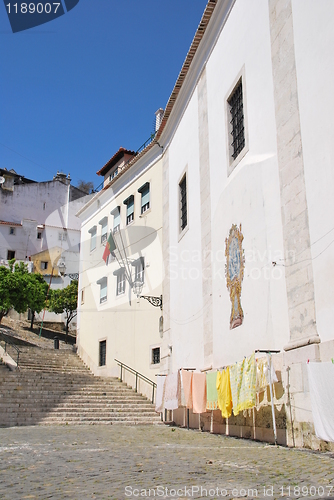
(172, 391)
(224, 393)
(261, 378)
(262, 374)
(211, 391)
(321, 383)
(159, 398)
(187, 384)
(199, 392)
(243, 384)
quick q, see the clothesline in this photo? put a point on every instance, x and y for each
(232, 389)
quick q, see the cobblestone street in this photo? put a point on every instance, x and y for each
(118, 462)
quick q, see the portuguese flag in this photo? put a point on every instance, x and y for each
(110, 247)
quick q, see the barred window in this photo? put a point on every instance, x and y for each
(183, 203)
(236, 120)
(156, 356)
(102, 352)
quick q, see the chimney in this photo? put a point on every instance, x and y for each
(158, 118)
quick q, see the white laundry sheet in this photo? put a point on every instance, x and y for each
(321, 382)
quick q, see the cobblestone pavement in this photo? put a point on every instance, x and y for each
(118, 462)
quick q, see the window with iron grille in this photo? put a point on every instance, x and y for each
(156, 355)
(120, 288)
(102, 352)
(183, 203)
(236, 120)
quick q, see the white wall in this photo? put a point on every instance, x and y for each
(314, 37)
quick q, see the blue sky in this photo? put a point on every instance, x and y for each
(77, 88)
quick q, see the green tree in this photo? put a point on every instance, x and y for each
(6, 289)
(65, 301)
(37, 289)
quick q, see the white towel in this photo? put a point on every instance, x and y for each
(159, 398)
(172, 391)
(321, 382)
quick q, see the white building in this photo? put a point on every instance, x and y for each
(113, 324)
(38, 224)
(248, 176)
(246, 152)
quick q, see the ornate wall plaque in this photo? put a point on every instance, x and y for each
(234, 271)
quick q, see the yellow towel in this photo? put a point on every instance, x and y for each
(224, 393)
(243, 384)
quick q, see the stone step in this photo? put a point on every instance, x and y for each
(54, 387)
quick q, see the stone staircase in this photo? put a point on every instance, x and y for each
(54, 387)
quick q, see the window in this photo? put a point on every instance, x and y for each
(62, 236)
(103, 282)
(92, 232)
(44, 266)
(44, 206)
(12, 230)
(183, 203)
(104, 229)
(236, 121)
(145, 197)
(139, 266)
(102, 352)
(120, 283)
(155, 355)
(82, 296)
(129, 202)
(117, 219)
(39, 235)
(113, 174)
(10, 254)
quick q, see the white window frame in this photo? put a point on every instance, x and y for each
(130, 216)
(104, 229)
(103, 282)
(92, 232)
(144, 207)
(116, 213)
(120, 281)
(139, 269)
(231, 162)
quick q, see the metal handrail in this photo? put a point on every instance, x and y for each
(138, 375)
(11, 343)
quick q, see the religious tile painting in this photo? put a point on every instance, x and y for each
(234, 271)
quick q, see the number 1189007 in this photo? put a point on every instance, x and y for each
(31, 8)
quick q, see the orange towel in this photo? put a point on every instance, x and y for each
(187, 384)
(199, 392)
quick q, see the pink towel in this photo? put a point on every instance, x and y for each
(199, 392)
(187, 384)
